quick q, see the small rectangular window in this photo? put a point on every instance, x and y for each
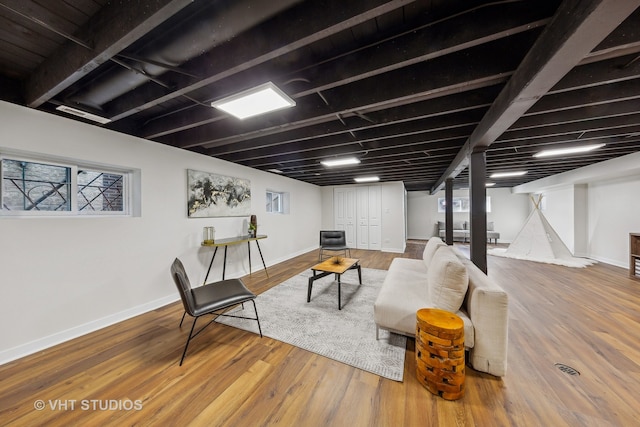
(273, 202)
(277, 202)
(100, 191)
(37, 188)
(30, 186)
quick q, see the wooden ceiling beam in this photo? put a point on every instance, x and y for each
(430, 80)
(253, 49)
(426, 43)
(576, 29)
(110, 31)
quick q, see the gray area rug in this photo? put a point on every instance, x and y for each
(347, 335)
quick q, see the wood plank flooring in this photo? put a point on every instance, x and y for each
(587, 318)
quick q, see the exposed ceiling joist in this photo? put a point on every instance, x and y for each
(576, 29)
(110, 31)
(401, 84)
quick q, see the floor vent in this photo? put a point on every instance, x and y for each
(567, 369)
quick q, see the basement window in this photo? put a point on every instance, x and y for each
(35, 188)
(277, 202)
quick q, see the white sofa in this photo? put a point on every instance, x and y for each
(445, 279)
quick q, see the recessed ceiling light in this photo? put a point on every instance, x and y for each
(252, 102)
(569, 150)
(490, 184)
(274, 170)
(367, 179)
(341, 162)
(507, 174)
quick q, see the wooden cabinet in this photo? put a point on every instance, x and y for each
(634, 255)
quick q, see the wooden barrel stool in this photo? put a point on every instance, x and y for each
(440, 352)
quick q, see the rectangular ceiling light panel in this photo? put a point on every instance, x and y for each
(367, 179)
(570, 150)
(253, 102)
(341, 162)
(507, 174)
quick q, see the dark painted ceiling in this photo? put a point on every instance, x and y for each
(412, 88)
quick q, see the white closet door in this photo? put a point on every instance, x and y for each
(344, 205)
(363, 217)
(375, 220)
(339, 209)
(350, 217)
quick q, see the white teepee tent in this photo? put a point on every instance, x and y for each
(538, 241)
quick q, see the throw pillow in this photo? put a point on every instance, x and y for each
(448, 280)
(490, 226)
(430, 249)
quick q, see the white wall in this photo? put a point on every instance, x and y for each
(508, 212)
(393, 217)
(614, 212)
(608, 192)
(595, 220)
(327, 209)
(64, 277)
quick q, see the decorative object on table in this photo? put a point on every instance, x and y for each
(330, 267)
(213, 195)
(337, 260)
(253, 226)
(440, 352)
(346, 336)
(208, 235)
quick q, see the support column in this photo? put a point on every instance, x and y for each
(478, 214)
(448, 212)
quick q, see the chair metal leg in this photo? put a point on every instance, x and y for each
(184, 353)
(216, 315)
(257, 319)
(183, 315)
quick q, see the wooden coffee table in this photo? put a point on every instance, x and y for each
(337, 266)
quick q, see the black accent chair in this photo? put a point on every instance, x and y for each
(211, 298)
(334, 240)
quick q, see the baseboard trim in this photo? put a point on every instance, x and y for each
(40, 344)
(80, 330)
(609, 261)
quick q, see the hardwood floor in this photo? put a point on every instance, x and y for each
(128, 374)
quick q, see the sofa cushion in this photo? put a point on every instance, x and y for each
(430, 249)
(490, 226)
(403, 293)
(448, 280)
(459, 225)
(440, 225)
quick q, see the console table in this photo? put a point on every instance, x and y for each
(234, 241)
